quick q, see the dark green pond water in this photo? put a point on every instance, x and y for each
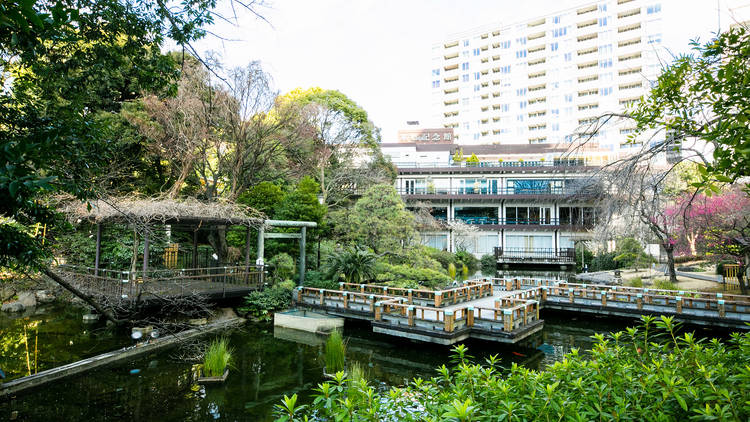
(266, 367)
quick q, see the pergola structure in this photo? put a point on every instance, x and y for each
(144, 214)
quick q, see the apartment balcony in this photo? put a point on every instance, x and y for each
(493, 194)
(535, 255)
(573, 165)
(525, 224)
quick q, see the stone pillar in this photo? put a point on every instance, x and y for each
(449, 320)
(438, 299)
(508, 320)
(470, 316)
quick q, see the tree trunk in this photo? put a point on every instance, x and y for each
(669, 249)
(691, 238)
(217, 237)
(86, 298)
(741, 275)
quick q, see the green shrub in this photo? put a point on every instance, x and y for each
(635, 282)
(468, 259)
(282, 267)
(410, 277)
(452, 271)
(604, 262)
(488, 263)
(445, 258)
(648, 373)
(664, 284)
(287, 285)
(464, 272)
(216, 357)
(264, 303)
(318, 280)
(335, 352)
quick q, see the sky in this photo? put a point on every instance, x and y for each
(379, 52)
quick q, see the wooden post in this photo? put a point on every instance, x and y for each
(722, 309)
(470, 316)
(378, 311)
(411, 312)
(678, 303)
(639, 300)
(604, 298)
(361, 288)
(410, 296)
(195, 248)
(438, 299)
(299, 294)
(571, 295)
(145, 254)
(508, 285)
(448, 320)
(544, 293)
(98, 248)
(247, 251)
(302, 241)
(372, 303)
(322, 297)
(647, 297)
(346, 300)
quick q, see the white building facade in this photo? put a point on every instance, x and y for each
(542, 80)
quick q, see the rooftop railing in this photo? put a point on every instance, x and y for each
(497, 191)
(509, 164)
(518, 221)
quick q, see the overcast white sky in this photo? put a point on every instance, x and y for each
(378, 52)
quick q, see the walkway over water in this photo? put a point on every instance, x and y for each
(507, 310)
(124, 286)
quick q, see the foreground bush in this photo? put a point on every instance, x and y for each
(649, 373)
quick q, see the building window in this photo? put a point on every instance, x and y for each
(505, 69)
(521, 92)
(521, 41)
(605, 49)
(435, 72)
(605, 91)
(465, 101)
(568, 57)
(505, 44)
(655, 8)
(603, 21)
(654, 39)
(556, 19)
(605, 63)
(553, 46)
(466, 43)
(476, 136)
(477, 87)
(555, 127)
(505, 108)
(477, 76)
(568, 98)
(475, 51)
(520, 54)
(560, 32)
(465, 77)
(522, 105)
(436, 84)
(519, 117)
(465, 66)
(602, 7)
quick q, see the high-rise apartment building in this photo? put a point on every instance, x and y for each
(541, 80)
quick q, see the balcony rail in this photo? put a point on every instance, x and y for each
(535, 254)
(517, 221)
(496, 191)
(573, 162)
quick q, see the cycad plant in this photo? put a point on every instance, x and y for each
(355, 265)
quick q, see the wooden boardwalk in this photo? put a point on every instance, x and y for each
(507, 310)
(122, 286)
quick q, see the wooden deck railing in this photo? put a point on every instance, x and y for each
(470, 290)
(171, 282)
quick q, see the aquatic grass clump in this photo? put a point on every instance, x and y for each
(217, 357)
(335, 352)
(664, 284)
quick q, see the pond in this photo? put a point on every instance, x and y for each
(267, 366)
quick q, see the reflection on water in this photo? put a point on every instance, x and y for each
(267, 366)
(48, 337)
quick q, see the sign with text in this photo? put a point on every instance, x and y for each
(426, 136)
